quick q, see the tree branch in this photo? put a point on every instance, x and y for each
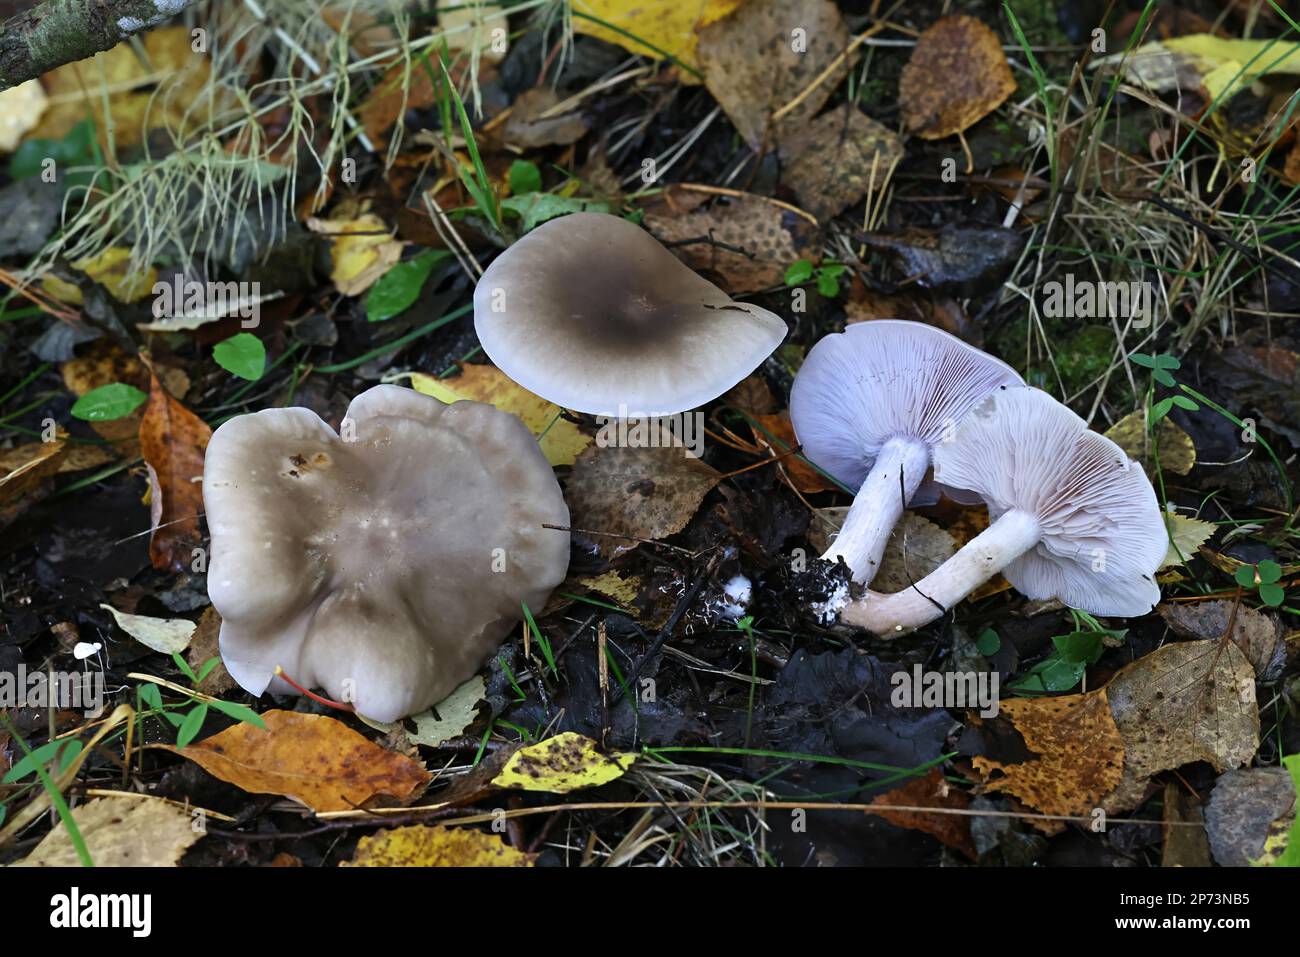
(56, 32)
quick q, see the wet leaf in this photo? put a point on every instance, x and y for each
(560, 439)
(953, 256)
(956, 76)
(450, 716)
(935, 791)
(644, 493)
(1075, 755)
(25, 469)
(173, 440)
(167, 635)
(120, 832)
(203, 648)
(754, 63)
(422, 846)
(1249, 815)
(311, 758)
(564, 763)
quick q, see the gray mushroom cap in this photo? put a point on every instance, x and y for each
(383, 563)
(590, 312)
(1102, 532)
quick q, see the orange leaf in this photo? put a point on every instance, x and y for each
(311, 758)
(172, 441)
(800, 474)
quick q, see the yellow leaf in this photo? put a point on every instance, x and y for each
(113, 270)
(564, 763)
(669, 25)
(1186, 536)
(1177, 451)
(21, 108)
(120, 832)
(363, 249)
(560, 439)
(424, 846)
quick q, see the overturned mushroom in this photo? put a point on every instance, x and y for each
(869, 406)
(590, 312)
(383, 563)
(1072, 517)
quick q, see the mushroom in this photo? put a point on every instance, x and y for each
(869, 406)
(590, 312)
(385, 562)
(1072, 517)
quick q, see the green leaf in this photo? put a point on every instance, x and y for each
(1269, 571)
(192, 725)
(151, 696)
(1161, 409)
(1185, 403)
(1245, 576)
(239, 712)
(1083, 647)
(1271, 594)
(1163, 377)
(1143, 360)
(396, 290)
(113, 401)
(65, 749)
(207, 667)
(524, 177)
(828, 284)
(800, 272)
(243, 355)
(1166, 361)
(988, 642)
(1291, 856)
(537, 208)
(184, 665)
(78, 148)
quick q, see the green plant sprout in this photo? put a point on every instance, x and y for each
(1074, 652)
(1263, 579)
(827, 276)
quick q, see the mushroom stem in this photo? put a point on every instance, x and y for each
(878, 506)
(1015, 533)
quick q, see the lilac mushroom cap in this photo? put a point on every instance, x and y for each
(1072, 517)
(383, 563)
(591, 312)
(870, 404)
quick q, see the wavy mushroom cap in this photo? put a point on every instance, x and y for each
(1103, 536)
(383, 564)
(590, 312)
(883, 379)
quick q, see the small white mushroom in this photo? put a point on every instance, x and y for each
(590, 312)
(1072, 518)
(383, 563)
(870, 404)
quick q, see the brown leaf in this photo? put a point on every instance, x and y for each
(1184, 846)
(172, 442)
(526, 126)
(311, 758)
(1075, 755)
(1177, 452)
(1250, 812)
(840, 157)
(102, 363)
(933, 790)
(799, 473)
(386, 102)
(24, 471)
(768, 237)
(754, 66)
(956, 76)
(648, 493)
(203, 648)
(1257, 634)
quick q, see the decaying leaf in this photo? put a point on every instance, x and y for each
(916, 547)
(172, 441)
(531, 124)
(614, 587)
(1177, 453)
(100, 364)
(422, 846)
(204, 646)
(770, 237)
(451, 716)
(1219, 65)
(1184, 845)
(1075, 755)
(311, 758)
(841, 157)
(24, 471)
(641, 493)
(666, 26)
(956, 76)
(120, 832)
(560, 439)
(1184, 702)
(934, 791)
(166, 635)
(1257, 634)
(952, 257)
(362, 249)
(762, 56)
(1249, 815)
(564, 763)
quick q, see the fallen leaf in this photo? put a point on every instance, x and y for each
(167, 635)
(1185, 844)
(951, 257)
(1075, 755)
(1249, 815)
(476, 28)
(1186, 536)
(120, 832)
(1177, 453)
(666, 26)
(770, 239)
(172, 441)
(933, 790)
(101, 364)
(362, 249)
(205, 646)
(956, 76)
(615, 587)
(24, 470)
(838, 159)
(566, 762)
(21, 108)
(311, 758)
(450, 716)
(759, 58)
(561, 441)
(1184, 702)
(642, 493)
(422, 846)
(776, 433)
(527, 125)
(1257, 634)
